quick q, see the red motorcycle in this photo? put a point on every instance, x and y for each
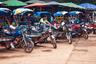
(79, 30)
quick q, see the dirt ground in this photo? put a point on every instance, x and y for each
(81, 52)
(84, 52)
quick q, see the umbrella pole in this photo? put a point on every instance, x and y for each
(93, 16)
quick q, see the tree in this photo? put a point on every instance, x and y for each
(2, 0)
(78, 1)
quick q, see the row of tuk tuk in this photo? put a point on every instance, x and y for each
(22, 28)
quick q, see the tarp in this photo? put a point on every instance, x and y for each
(89, 6)
(35, 4)
(72, 5)
(14, 3)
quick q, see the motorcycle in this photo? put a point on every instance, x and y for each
(68, 32)
(11, 39)
(80, 30)
(41, 33)
(62, 31)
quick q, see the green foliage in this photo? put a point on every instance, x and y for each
(2, 0)
(78, 1)
(93, 3)
(63, 1)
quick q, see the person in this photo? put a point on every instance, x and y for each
(44, 20)
(45, 23)
(66, 23)
(77, 21)
(13, 26)
(32, 19)
(57, 22)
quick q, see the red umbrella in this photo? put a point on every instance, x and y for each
(35, 4)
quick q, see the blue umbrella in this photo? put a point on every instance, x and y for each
(73, 13)
(4, 11)
(88, 6)
(42, 13)
(58, 14)
(64, 12)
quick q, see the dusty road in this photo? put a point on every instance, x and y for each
(82, 52)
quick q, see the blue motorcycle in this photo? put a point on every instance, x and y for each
(18, 37)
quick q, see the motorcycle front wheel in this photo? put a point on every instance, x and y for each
(28, 48)
(85, 35)
(69, 38)
(53, 41)
(7, 46)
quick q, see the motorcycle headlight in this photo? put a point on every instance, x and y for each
(83, 26)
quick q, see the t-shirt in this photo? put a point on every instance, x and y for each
(43, 21)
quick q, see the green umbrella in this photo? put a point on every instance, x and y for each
(14, 3)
